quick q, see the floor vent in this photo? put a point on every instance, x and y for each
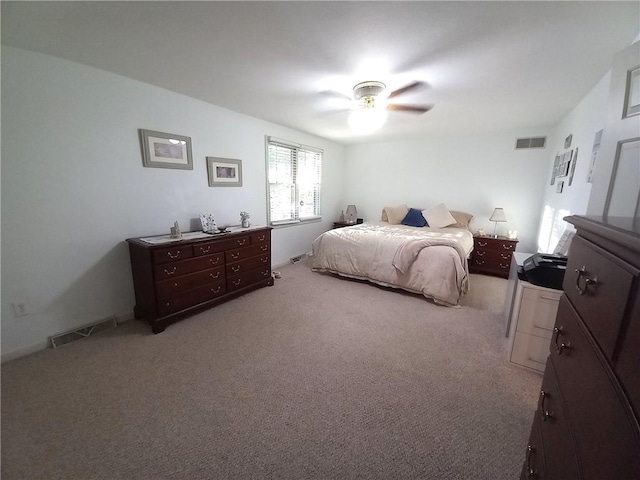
(534, 142)
(81, 332)
(297, 258)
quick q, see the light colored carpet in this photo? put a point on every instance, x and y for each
(315, 378)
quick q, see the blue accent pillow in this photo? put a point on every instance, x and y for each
(414, 218)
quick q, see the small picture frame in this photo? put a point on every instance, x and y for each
(165, 150)
(632, 94)
(224, 172)
(567, 141)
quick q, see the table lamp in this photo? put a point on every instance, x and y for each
(497, 216)
(352, 213)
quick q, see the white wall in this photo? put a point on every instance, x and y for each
(74, 188)
(582, 123)
(616, 129)
(474, 174)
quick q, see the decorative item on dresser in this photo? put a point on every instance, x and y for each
(492, 256)
(586, 425)
(174, 280)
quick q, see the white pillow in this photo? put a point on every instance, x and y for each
(395, 215)
(438, 216)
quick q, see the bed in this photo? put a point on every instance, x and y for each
(424, 260)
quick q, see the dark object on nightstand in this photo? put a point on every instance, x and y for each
(492, 256)
(342, 224)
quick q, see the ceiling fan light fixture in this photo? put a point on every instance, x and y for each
(367, 120)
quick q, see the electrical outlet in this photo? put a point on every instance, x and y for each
(20, 309)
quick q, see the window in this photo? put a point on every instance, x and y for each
(294, 174)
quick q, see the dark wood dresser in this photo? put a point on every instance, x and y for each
(586, 425)
(177, 279)
(492, 256)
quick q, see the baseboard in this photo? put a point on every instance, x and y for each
(24, 351)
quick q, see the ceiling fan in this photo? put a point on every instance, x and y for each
(370, 95)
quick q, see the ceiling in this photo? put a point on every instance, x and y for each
(489, 66)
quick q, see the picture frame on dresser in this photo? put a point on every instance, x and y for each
(224, 172)
(165, 150)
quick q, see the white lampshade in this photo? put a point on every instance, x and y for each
(497, 216)
(352, 213)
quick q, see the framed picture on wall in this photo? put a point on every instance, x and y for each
(165, 150)
(224, 172)
(632, 94)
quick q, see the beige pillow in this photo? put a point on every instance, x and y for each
(462, 219)
(395, 215)
(438, 216)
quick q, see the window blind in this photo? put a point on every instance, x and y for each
(294, 174)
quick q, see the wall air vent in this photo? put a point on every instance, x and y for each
(534, 142)
(82, 332)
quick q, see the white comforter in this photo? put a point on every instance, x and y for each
(425, 260)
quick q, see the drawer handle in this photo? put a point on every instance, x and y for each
(174, 256)
(261, 238)
(242, 242)
(562, 346)
(545, 297)
(502, 265)
(265, 273)
(173, 270)
(265, 259)
(215, 290)
(479, 262)
(507, 247)
(505, 256)
(214, 276)
(235, 268)
(265, 248)
(236, 282)
(530, 469)
(235, 255)
(481, 254)
(544, 414)
(214, 262)
(207, 250)
(483, 244)
(582, 272)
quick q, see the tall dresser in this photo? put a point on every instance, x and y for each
(586, 424)
(175, 280)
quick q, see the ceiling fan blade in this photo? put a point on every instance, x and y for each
(409, 108)
(405, 89)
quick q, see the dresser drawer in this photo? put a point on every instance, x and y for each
(171, 270)
(533, 466)
(166, 255)
(499, 244)
(243, 253)
(208, 292)
(606, 441)
(537, 312)
(169, 288)
(559, 453)
(237, 282)
(529, 351)
(260, 237)
(262, 261)
(598, 288)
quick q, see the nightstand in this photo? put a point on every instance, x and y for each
(492, 256)
(342, 224)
